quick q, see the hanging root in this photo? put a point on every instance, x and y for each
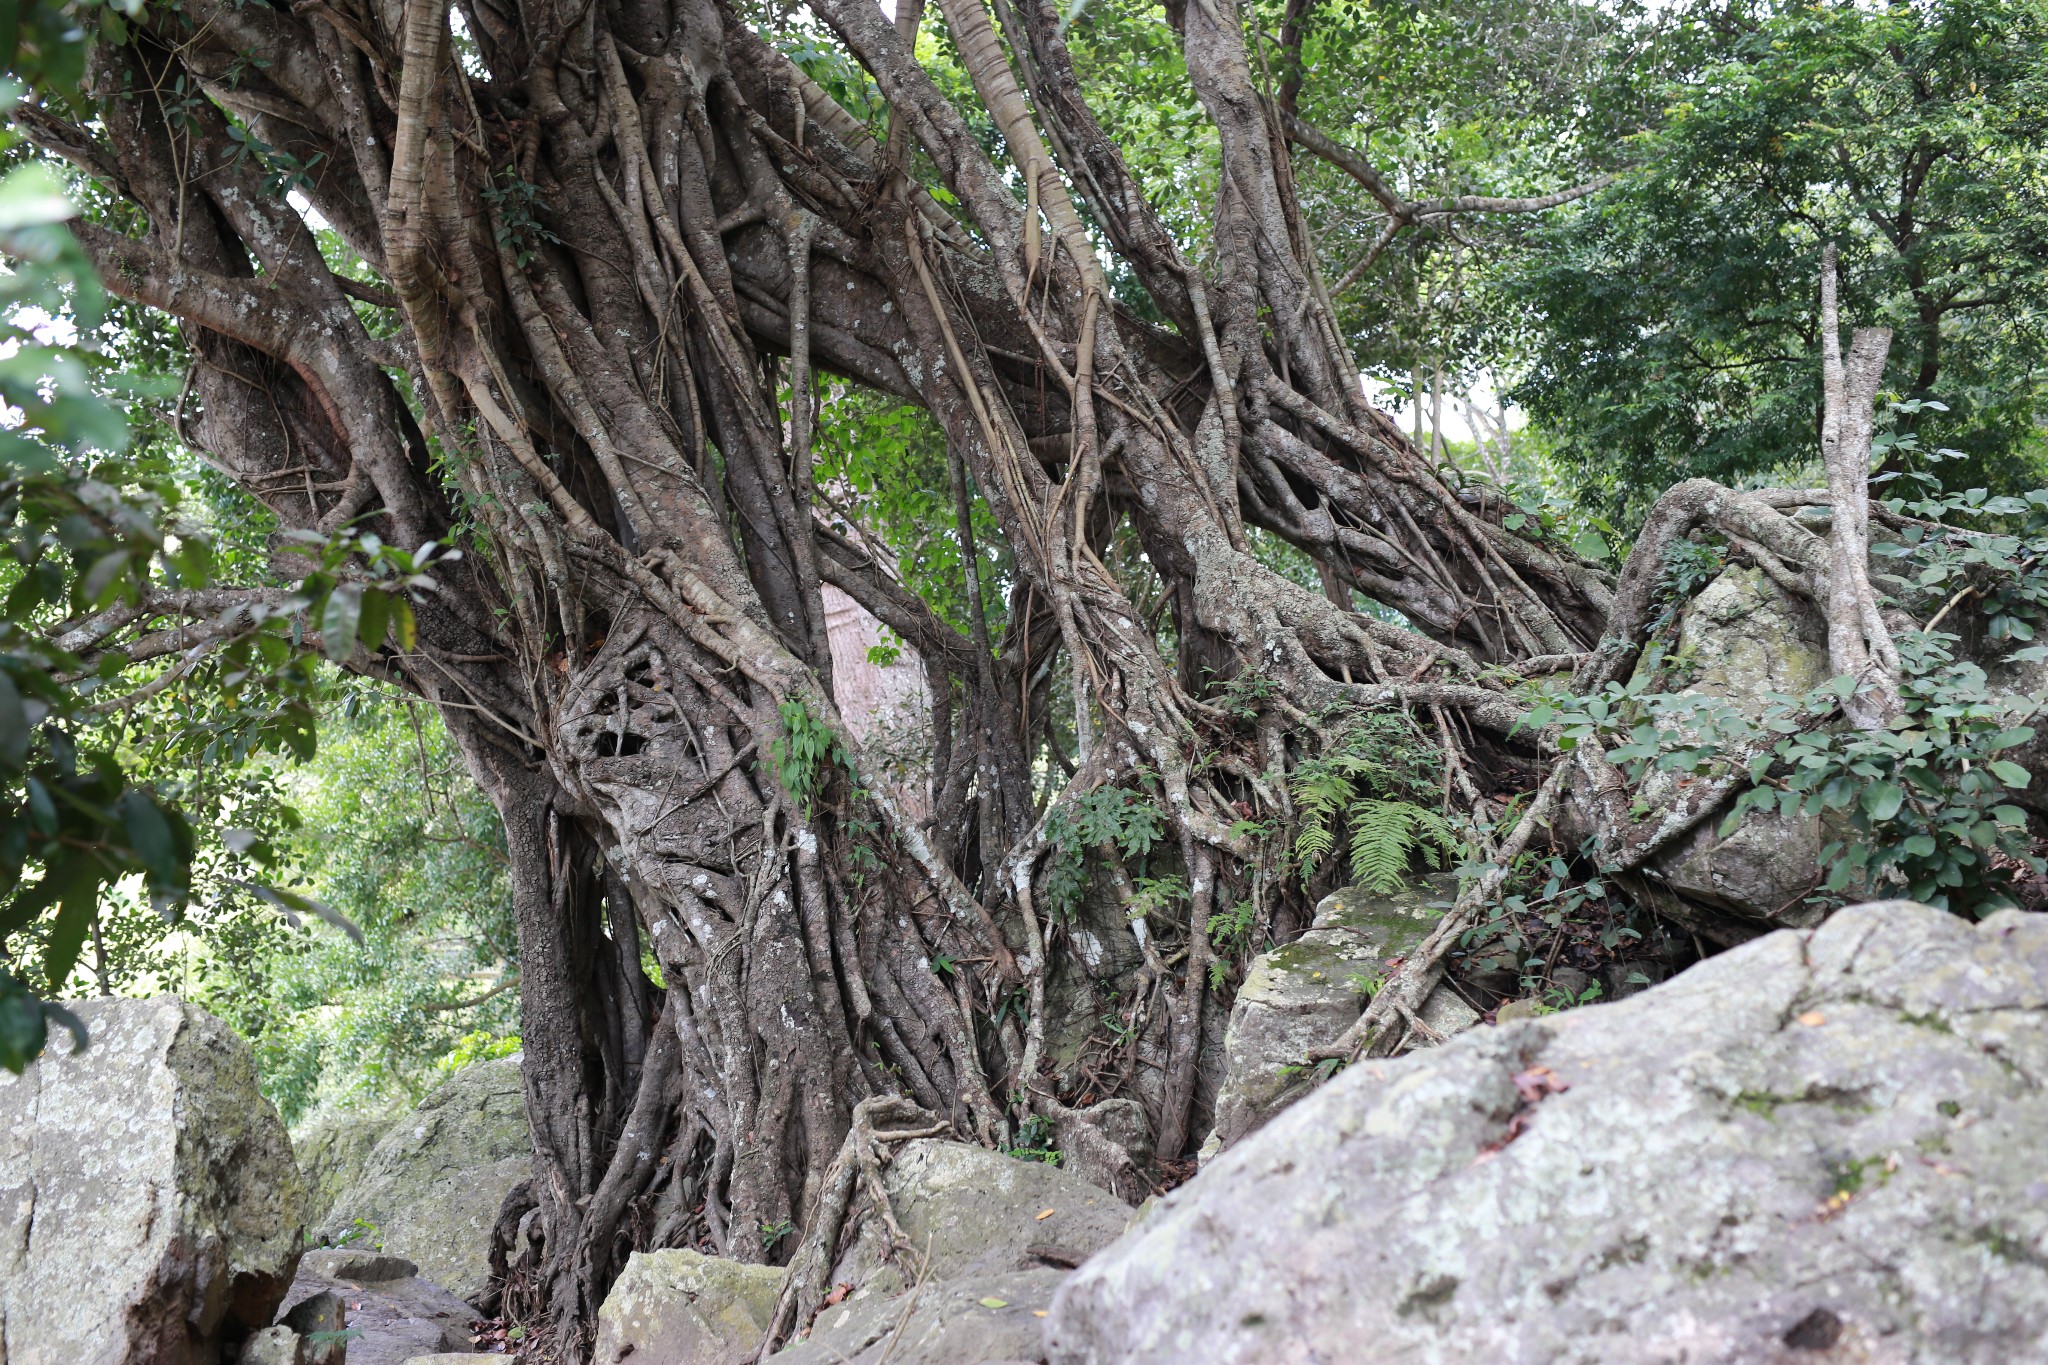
(859, 1164)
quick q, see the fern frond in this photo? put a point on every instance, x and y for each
(1386, 834)
(1315, 840)
(1382, 833)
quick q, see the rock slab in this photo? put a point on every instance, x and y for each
(1820, 1146)
(971, 1212)
(150, 1207)
(332, 1151)
(981, 1320)
(686, 1308)
(393, 1320)
(1303, 995)
(431, 1188)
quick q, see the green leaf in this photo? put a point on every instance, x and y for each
(33, 196)
(405, 631)
(338, 622)
(993, 1302)
(103, 578)
(74, 921)
(150, 836)
(22, 1028)
(1589, 545)
(2011, 774)
(1883, 799)
(14, 725)
(376, 613)
(292, 904)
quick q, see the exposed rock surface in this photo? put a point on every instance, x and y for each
(273, 1346)
(1107, 1144)
(149, 1203)
(431, 1188)
(357, 1264)
(395, 1319)
(1818, 1146)
(972, 1212)
(994, 1236)
(685, 1308)
(319, 1322)
(980, 1320)
(1744, 639)
(1303, 995)
(332, 1151)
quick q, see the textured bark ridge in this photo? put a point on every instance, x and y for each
(597, 241)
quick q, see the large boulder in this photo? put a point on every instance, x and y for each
(432, 1186)
(332, 1151)
(1821, 1145)
(1302, 996)
(150, 1208)
(1743, 640)
(393, 1316)
(971, 1212)
(686, 1308)
(980, 1320)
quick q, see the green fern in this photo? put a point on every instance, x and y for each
(1323, 789)
(1386, 834)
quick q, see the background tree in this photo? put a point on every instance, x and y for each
(1666, 338)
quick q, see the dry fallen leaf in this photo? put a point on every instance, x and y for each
(1038, 1312)
(1813, 1018)
(1043, 1216)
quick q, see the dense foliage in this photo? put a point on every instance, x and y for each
(1669, 320)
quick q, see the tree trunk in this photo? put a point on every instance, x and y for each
(592, 239)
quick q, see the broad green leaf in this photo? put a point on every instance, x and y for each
(338, 622)
(1881, 800)
(14, 724)
(2010, 773)
(376, 614)
(74, 919)
(150, 836)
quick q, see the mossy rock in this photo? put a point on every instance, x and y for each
(685, 1308)
(1304, 994)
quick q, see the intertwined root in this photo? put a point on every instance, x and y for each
(856, 1171)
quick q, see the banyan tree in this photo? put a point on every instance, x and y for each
(572, 284)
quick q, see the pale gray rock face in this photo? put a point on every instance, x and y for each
(272, 1346)
(431, 1188)
(149, 1203)
(395, 1320)
(993, 1237)
(1744, 639)
(686, 1308)
(353, 1263)
(1302, 996)
(969, 1211)
(979, 1320)
(1818, 1146)
(332, 1151)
